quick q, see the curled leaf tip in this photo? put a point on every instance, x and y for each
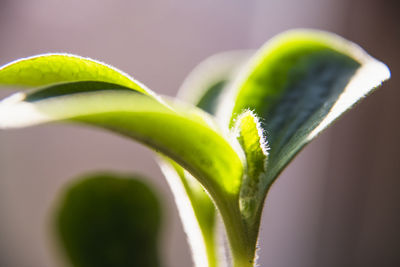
(244, 121)
(252, 139)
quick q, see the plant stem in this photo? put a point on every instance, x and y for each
(241, 243)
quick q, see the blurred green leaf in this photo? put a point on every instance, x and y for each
(205, 85)
(108, 219)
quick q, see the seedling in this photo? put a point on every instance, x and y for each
(255, 112)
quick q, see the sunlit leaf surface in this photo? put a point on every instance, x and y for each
(50, 69)
(298, 84)
(169, 131)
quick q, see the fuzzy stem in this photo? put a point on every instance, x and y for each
(241, 243)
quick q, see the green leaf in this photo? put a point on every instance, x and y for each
(93, 98)
(48, 69)
(298, 84)
(182, 133)
(108, 219)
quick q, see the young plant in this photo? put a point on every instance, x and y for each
(255, 112)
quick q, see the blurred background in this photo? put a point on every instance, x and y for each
(337, 204)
